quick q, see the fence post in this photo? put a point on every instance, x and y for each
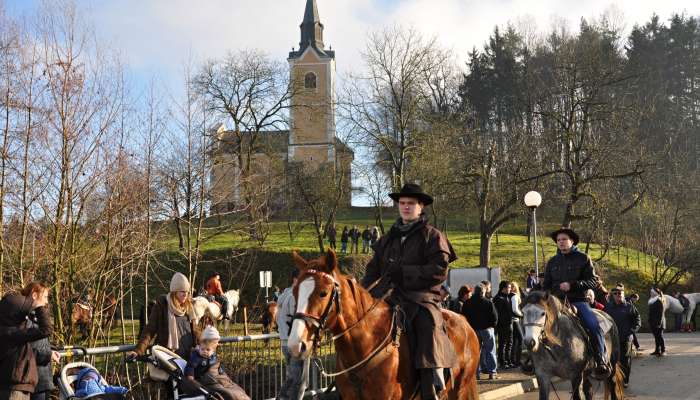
(245, 320)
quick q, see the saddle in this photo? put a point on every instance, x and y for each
(604, 323)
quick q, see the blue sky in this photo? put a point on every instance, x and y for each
(156, 38)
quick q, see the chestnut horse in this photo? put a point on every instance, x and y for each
(269, 317)
(373, 362)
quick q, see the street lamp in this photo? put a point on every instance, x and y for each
(533, 200)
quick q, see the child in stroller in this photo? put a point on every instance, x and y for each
(204, 367)
(163, 365)
(80, 380)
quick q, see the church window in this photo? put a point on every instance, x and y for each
(310, 81)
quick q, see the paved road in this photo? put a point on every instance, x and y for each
(674, 377)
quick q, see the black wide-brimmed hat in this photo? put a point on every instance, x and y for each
(412, 190)
(568, 232)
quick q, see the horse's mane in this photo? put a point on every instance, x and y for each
(552, 308)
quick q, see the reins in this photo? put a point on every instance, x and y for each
(371, 355)
(319, 324)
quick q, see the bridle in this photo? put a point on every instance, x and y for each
(319, 323)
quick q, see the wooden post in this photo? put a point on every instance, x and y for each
(245, 320)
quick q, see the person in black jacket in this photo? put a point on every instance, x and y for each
(481, 315)
(18, 365)
(568, 274)
(44, 357)
(504, 328)
(628, 322)
(657, 321)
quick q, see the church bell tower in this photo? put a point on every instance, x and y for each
(312, 68)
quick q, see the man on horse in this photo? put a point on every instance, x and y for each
(568, 275)
(215, 291)
(412, 259)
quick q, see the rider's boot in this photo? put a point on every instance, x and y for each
(602, 366)
(427, 386)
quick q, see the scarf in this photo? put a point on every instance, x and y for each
(173, 312)
(574, 250)
(401, 230)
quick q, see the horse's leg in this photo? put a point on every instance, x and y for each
(576, 387)
(544, 383)
(587, 388)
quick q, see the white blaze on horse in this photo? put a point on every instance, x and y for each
(203, 307)
(372, 364)
(693, 301)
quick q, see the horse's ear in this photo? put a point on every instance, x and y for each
(331, 260)
(299, 260)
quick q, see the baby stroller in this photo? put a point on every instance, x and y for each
(163, 365)
(68, 382)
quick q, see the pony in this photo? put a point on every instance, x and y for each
(212, 310)
(371, 353)
(558, 346)
(269, 317)
(693, 301)
(81, 318)
(109, 308)
(83, 314)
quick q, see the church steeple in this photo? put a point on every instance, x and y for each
(311, 28)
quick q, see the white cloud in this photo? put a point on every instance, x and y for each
(160, 35)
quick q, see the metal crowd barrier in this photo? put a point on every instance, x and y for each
(254, 362)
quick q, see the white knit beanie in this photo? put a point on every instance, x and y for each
(179, 283)
(210, 333)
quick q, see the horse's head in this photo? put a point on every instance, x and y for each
(539, 313)
(317, 295)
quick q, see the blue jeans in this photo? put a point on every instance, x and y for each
(297, 377)
(590, 322)
(487, 358)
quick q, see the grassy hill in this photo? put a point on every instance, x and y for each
(511, 251)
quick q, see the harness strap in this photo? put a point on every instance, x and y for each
(371, 355)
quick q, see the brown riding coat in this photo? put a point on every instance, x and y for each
(423, 257)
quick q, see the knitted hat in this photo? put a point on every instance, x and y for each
(210, 333)
(179, 283)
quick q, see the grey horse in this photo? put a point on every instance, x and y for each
(557, 343)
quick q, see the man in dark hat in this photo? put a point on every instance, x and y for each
(628, 322)
(568, 275)
(412, 259)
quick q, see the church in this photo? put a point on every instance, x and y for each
(311, 138)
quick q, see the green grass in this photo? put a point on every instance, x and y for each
(510, 250)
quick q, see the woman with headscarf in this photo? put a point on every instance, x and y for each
(171, 321)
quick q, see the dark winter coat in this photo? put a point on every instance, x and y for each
(480, 313)
(42, 352)
(626, 317)
(416, 266)
(504, 308)
(577, 269)
(344, 237)
(657, 319)
(18, 366)
(156, 331)
(208, 373)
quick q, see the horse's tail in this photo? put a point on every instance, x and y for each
(615, 384)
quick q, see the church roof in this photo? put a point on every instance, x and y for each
(311, 33)
(268, 142)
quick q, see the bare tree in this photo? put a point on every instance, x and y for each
(385, 108)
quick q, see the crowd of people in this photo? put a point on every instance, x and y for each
(352, 236)
(410, 262)
(497, 318)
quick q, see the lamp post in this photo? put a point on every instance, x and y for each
(533, 200)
